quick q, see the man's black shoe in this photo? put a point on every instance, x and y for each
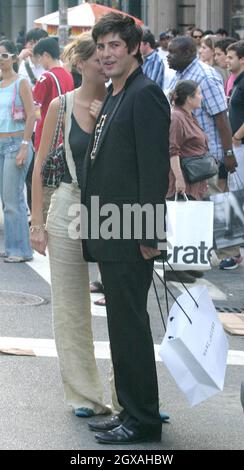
(105, 424)
(124, 436)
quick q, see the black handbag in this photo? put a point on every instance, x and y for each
(199, 168)
(53, 169)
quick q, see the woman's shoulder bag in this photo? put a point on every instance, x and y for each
(53, 168)
(199, 168)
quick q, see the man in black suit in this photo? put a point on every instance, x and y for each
(127, 163)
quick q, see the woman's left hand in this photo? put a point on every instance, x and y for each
(180, 185)
(21, 157)
(236, 142)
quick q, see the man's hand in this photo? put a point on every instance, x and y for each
(24, 54)
(95, 108)
(230, 163)
(148, 253)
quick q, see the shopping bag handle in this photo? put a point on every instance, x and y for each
(175, 299)
(167, 290)
(184, 196)
(187, 290)
(239, 182)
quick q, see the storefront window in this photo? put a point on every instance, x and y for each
(237, 15)
(111, 3)
(135, 8)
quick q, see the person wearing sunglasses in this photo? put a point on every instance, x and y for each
(197, 35)
(17, 117)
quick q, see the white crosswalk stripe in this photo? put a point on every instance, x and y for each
(46, 348)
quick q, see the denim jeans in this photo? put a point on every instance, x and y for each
(12, 180)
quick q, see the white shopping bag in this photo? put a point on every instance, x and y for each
(189, 234)
(195, 352)
(228, 219)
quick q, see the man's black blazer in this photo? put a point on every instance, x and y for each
(131, 163)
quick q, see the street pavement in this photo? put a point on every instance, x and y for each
(33, 412)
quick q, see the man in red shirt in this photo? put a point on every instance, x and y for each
(48, 87)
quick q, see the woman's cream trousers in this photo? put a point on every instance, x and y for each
(71, 306)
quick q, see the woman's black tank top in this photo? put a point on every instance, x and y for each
(78, 141)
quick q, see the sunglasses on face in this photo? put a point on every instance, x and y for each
(6, 55)
(198, 36)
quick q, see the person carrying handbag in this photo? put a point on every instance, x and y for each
(186, 138)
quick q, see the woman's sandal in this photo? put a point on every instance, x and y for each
(100, 302)
(84, 412)
(96, 287)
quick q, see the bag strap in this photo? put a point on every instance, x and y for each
(59, 122)
(184, 196)
(167, 290)
(30, 73)
(238, 181)
(57, 83)
(14, 96)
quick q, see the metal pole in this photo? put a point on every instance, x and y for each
(63, 24)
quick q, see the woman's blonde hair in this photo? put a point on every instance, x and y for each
(209, 40)
(82, 48)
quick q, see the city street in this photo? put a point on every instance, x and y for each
(33, 413)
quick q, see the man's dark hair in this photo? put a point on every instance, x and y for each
(185, 44)
(36, 34)
(222, 31)
(196, 29)
(182, 52)
(238, 48)
(125, 26)
(222, 44)
(149, 37)
(49, 45)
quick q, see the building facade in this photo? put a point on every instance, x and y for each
(158, 15)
